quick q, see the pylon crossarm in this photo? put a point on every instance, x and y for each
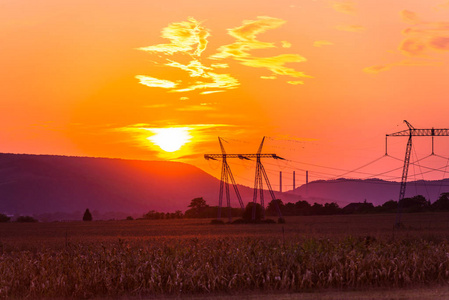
(422, 132)
(242, 156)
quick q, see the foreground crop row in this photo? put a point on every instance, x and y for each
(221, 265)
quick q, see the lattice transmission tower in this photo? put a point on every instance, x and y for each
(411, 132)
(226, 175)
(258, 181)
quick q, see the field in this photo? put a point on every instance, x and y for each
(305, 256)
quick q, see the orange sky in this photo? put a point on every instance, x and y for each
(324, 80)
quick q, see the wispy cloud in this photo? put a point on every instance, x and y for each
(422, 43)
(197, 108)
(246, 41)
(346, 7)
(188, 36)
(409, 17)
(322, 43)
(154, 82)
(351, 28)
(189, 39)
(442, 6)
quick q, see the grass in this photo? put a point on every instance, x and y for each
(192, 257)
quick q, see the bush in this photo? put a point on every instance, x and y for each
(26, 219)
(248, 213)
(87, 215)
(4, 218)
(217, 222)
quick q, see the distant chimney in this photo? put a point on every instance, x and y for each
(280, 181)
(294, 181)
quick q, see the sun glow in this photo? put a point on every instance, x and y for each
(170, 139)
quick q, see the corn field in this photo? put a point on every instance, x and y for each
(229, 265)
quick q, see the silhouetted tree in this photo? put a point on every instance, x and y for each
(317, 209)
(332, 208)
(390, 205)
(415, 204)
(198, 203)
(303, 207)
(26, 219)
(197, 207)
(248, 213)
(4, 218)
(87, 215)
(271, 208)
(442, 203)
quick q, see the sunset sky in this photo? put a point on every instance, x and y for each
(323, 80)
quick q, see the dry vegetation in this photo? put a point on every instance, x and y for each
(178, 257)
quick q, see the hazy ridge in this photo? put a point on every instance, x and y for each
(39, 184)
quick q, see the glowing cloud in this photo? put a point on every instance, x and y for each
(188, 40)
(421, 43)
(409, 17)
(442, 6)
(246, 36)
(276, 64)
(154, 82)
(346, 7)
(322, 43)
(187, 36)
(286, 44)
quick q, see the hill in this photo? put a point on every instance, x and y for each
(376, 191)
(48, 184)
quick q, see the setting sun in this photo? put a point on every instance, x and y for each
(170, 139)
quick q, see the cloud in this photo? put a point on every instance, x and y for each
(377, 69)
(424, 37)
(188, 36)
(156, 106)
(246, 38)
(322, 43)
(268, 77)
(196, 108)
(409, 17)
(286, 44)
(154, 82)
(295, 82)
(216, 81)
(421, 44)
(410, 63)
(440, 43)
(189, 39)
(276, 64)
(351, 28)
(442, 6)
(246, 41)
(346, 7)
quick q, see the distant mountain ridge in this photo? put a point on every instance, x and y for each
(376, 191)
(40, 184)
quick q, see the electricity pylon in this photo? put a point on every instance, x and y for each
(410, 132)
(226, 174)
(258, 184)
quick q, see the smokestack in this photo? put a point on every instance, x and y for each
(294, 181)
(307, 183)
(280, 181)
